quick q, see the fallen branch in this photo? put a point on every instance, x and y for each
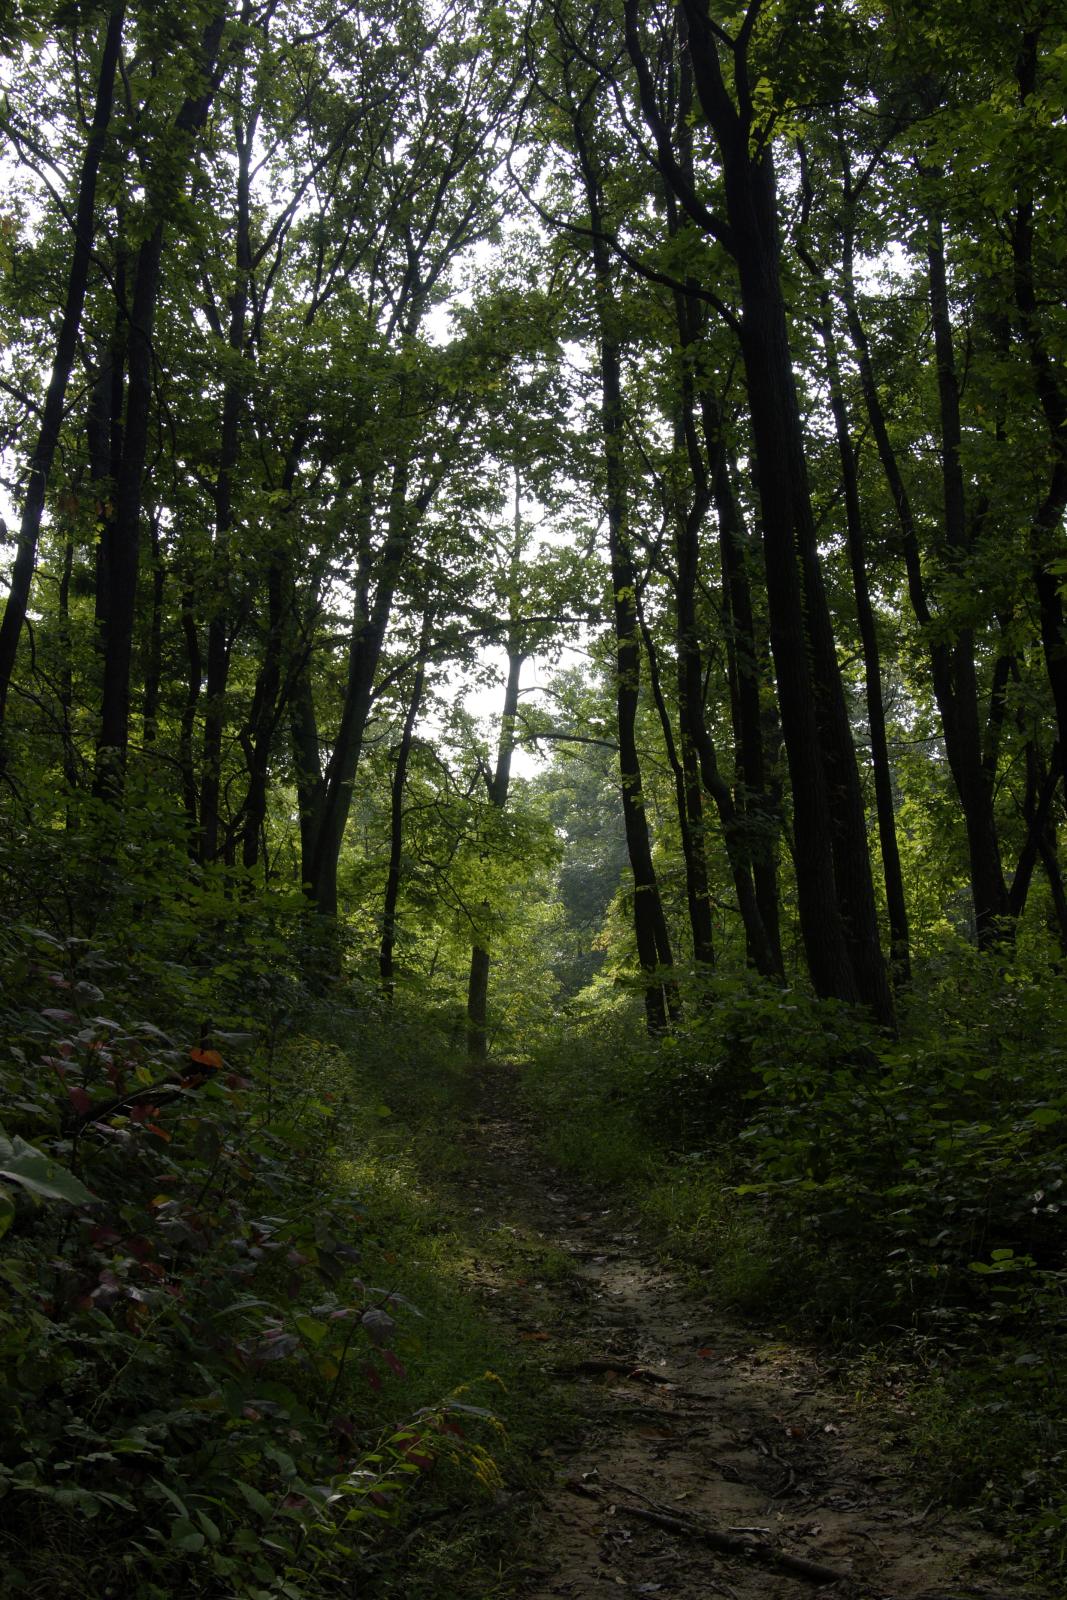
(733, 1544)
(737, 1544)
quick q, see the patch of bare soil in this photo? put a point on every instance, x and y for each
(710, 1459)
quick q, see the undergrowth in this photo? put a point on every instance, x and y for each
(899, 1200)
(236, 1354)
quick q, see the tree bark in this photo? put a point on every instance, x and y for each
(123, 531)
(386, 966)
(896, 906)
(834, 887)
(63, 361)
(650, 926)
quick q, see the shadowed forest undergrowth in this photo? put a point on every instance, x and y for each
(295, 1296)
(533, 735)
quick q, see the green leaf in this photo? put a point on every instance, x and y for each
(7, 1210)
(26, 1165)
(1045, 1116)
(184, 1536)
(312, 1329)
(254, 1500)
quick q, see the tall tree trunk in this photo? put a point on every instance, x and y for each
(835, 892)
(220, 635)
(694, 734)
(976, 790)
(123, 531)
(154, 660)
(1047, 545)
(689, 800)
(497, 786)
(386, 967)
(194, 682)
(758, 808)
(368, 634)
(268, 705)
(896, 906)
(650, 925)
(63, 361)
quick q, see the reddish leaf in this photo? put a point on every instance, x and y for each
(80, 1100)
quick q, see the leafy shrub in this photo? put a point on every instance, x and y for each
(190, 1357)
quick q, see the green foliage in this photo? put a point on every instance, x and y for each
(904, 1192)
(203, 1370)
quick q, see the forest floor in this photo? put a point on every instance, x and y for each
(682, 1430)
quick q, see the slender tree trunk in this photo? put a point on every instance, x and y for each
(368, 634)
(386, 967)
(123, 531)
(310, 784)
(694, 736)
(220, 634)
(689, 798)
(154, 660)
(976, 792)
(900, 944)
(66, 667)
(194, 681)
(497, 786)
(759, 811)
(650, 926)
(63, 361)
(268, 705)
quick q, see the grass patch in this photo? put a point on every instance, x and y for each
(400, 1103)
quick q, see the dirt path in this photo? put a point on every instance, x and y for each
(686, 1416)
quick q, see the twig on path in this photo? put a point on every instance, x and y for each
(734, 1544)
(590, 1365)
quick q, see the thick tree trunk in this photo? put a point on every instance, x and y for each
(63, 361)
(835, 891)
(123, 532)
(834, 888)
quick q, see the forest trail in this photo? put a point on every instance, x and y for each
(671, 1411)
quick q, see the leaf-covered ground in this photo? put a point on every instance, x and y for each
(684, 1427)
